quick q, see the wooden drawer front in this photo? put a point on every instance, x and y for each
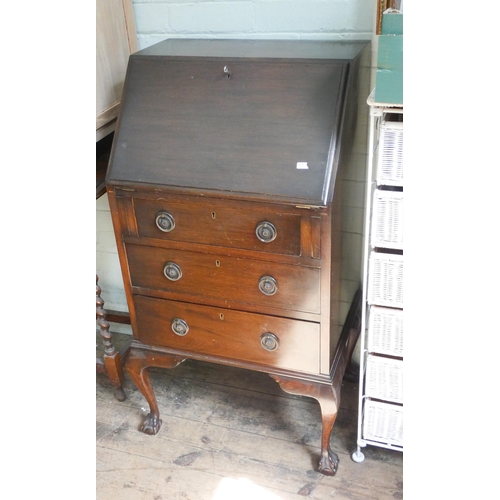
(226, 224)
(228, 333)
(229, 278)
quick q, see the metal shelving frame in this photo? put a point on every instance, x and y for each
(377, 113)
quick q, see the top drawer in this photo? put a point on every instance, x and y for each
(227, 223)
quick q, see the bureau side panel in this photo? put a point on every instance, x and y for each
(335, 272)
(123, 224)
(345, 150)
(325, 231)
(331, 247)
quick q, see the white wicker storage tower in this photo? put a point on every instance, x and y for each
(380, 414)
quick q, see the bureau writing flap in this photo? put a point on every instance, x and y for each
(264, 125)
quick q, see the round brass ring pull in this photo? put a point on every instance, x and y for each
(165, 222)
(269, 341)
(172, 271)
(179, 327)
(268, 285)
(266, 232)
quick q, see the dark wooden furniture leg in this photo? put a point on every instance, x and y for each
(138, 363)
(329, 400)
(328, 394)
(112, 358)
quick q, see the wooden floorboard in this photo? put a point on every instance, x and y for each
(231, 434)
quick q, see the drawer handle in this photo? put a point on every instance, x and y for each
(266, 232)
(268, 285)
(269, 341)
(179, 327)
(165, 222)
(172, 271)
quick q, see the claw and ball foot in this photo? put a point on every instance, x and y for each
(138, 363)
(120, 394)
(328, 398)
(329, 462)
(151, 424)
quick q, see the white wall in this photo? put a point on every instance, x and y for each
(157, 20)
(323, 19)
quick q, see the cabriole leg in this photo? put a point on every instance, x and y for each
(138, 363)
(329, 403)
(329, 461)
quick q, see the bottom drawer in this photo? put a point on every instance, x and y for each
(383, 422)
(249, 337)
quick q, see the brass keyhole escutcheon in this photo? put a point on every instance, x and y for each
(165, 222)
(217, 263)
(221, 316)
(213, 214)
(269, 341)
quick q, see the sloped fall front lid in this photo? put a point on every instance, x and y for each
(239, 116)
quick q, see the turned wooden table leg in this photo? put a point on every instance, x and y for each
(329, 401)
(112, 359)
(138, 363)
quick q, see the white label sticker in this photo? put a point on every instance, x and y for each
(302, 165)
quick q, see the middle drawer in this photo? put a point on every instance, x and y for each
(270, 284)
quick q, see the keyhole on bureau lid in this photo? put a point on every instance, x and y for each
(221, 316)
(213, 215)
(217, 263)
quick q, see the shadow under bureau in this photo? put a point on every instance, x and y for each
(224, 191)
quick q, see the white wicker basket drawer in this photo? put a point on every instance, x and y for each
(385, 280)
(387, 220)
(383, 422)
(384, 378)
(385, 331)
(390, 154)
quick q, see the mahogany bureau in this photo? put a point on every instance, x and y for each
(224, 193)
